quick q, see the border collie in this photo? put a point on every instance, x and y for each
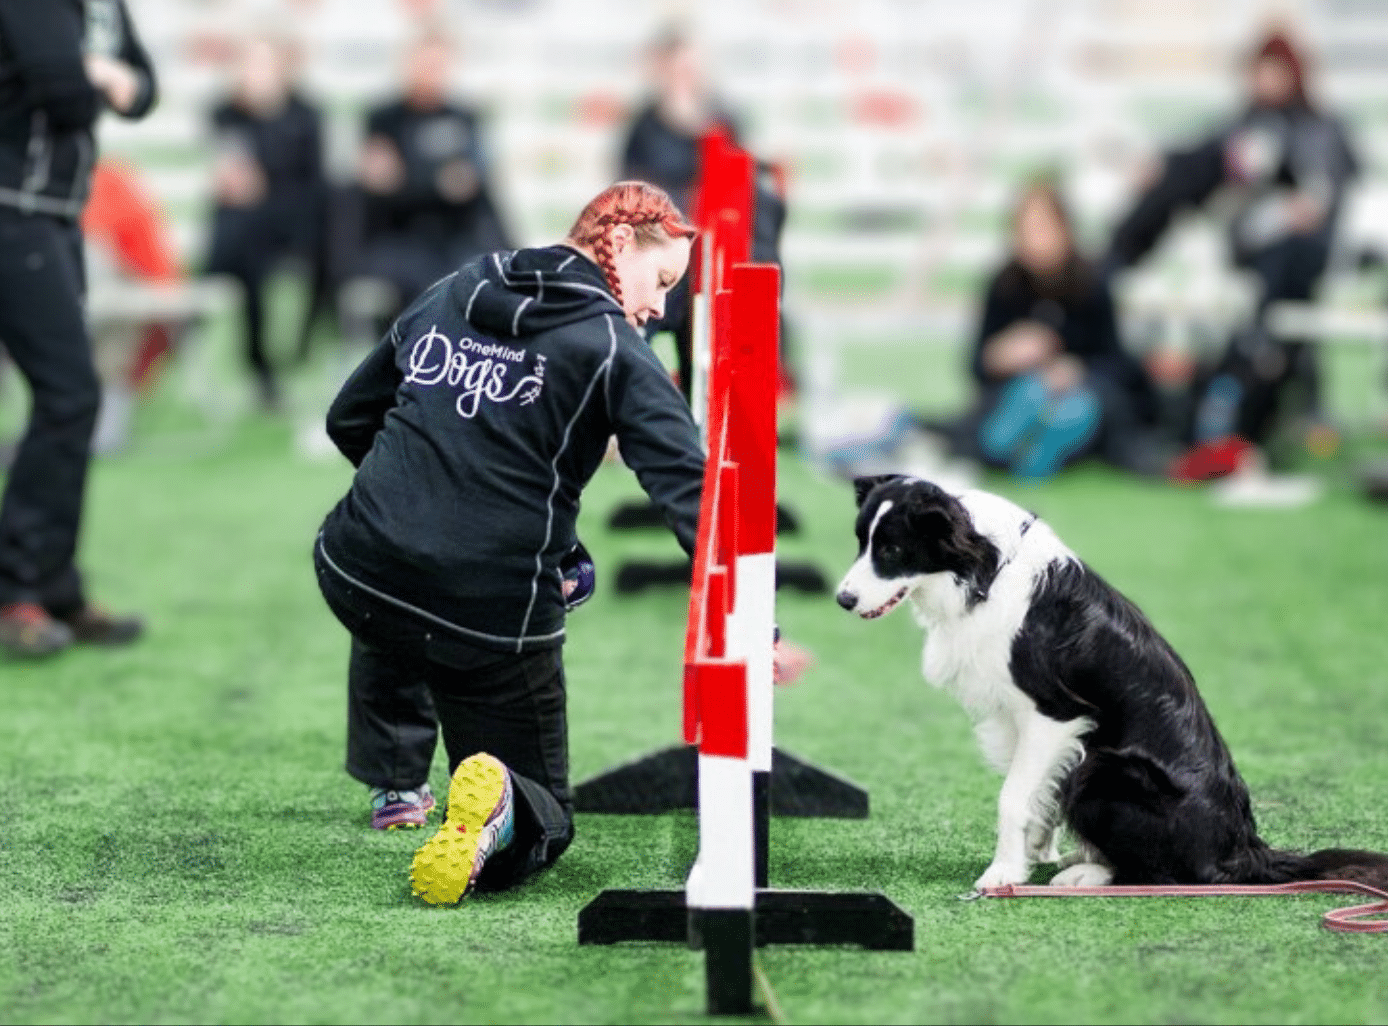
(1092, 717)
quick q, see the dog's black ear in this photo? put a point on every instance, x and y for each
(931, 522)
(864, 485)
(957, 546)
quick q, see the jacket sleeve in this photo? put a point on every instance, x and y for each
(1094, 339)
(133, 53)
(1188, 178)
(360, 409)
(46, 44)
(997, 315)
(656, 434)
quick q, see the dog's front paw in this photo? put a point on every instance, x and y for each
(1001, 875)
(1086, 874)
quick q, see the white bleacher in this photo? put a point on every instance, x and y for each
(994, 89)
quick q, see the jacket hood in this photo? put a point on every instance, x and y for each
(510, 294)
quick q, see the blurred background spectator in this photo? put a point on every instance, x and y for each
(905, 133)
(662, 146)
(61, 65)
(1054, 381)
(662, 140)
(424, 174)
(1284, 164)
(268, 189)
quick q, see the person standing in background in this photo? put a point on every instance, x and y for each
(61, 63)
(662, 147)
(269, 191)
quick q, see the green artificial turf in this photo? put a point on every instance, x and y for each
(179, 843)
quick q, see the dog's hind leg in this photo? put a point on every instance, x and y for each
(1084, 874)
(1046, 750)
(1084, 867)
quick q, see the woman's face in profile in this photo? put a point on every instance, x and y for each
(647, 274)
(1042, 240)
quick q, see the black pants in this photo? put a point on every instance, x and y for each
(1264, 367)
(403, 677)
(246, 243)
(41, 324)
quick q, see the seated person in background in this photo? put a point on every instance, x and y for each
(269, 189)
(1055, 384)
(662, 147)
(423, 171)
(1284, 164)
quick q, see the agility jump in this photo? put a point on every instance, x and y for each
(726, 907)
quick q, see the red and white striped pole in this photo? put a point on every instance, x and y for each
(730, 640)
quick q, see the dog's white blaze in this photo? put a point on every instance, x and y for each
(967, 651)
(877, 519)
(873, 592)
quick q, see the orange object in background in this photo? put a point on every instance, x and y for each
(122, 219)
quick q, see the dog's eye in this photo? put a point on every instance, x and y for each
(890, 551)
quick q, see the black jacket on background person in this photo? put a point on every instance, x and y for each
(1261, 156)
(47, 105)
(428, 141)
(474, 427)
(289, 150)
(1078, 307)
(658, 153)
(664, 155)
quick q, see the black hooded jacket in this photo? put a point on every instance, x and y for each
(474, 427)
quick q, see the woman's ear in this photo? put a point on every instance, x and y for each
(623, 238)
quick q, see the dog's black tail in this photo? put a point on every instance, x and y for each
(1367, 867)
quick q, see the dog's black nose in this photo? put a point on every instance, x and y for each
(847, 599)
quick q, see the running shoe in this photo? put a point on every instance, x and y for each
(27, 631)
(480, 822)
(395, 810)
(1216, 458)
(96, 625)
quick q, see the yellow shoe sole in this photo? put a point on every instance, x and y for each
(442, 870)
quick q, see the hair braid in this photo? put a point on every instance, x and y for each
(649, 211)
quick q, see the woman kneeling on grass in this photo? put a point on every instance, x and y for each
(474, 427)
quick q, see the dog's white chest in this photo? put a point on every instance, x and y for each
(967, 652)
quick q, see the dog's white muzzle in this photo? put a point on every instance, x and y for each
(885, 607)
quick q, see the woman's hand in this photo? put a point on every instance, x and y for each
(789, 662)
(382, 170)
(238, 181)
(1305, 213)
(1063, 374)
(1020, 349)
(116, 80)
(458, 180)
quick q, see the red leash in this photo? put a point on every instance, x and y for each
(1346, 920)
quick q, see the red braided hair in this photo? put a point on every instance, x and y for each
(649, 211)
